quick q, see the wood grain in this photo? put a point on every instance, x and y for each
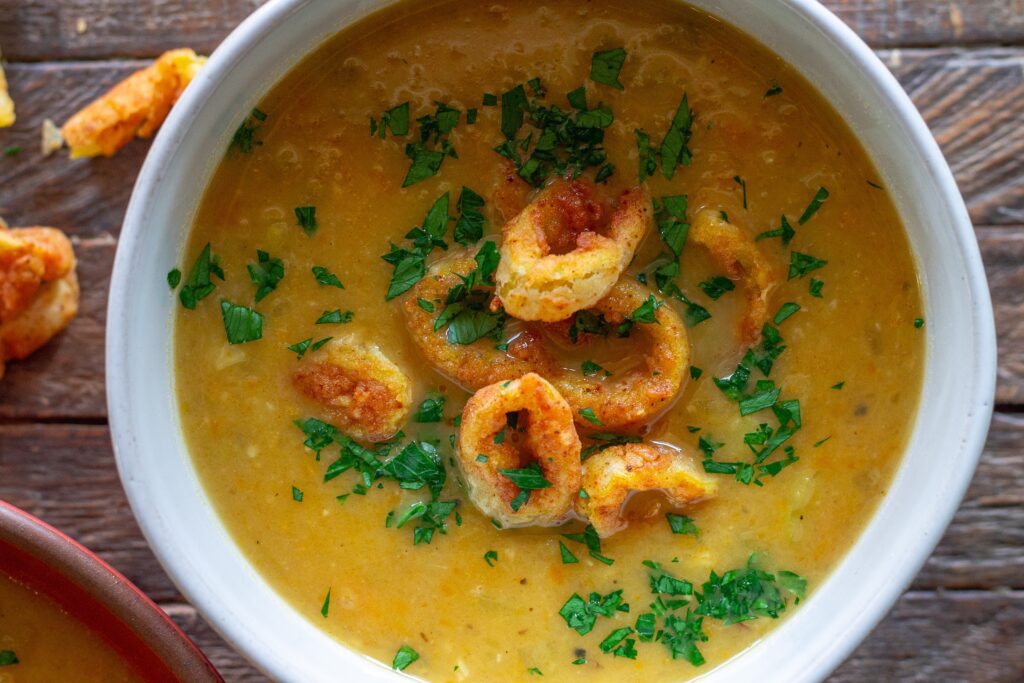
(39, 30)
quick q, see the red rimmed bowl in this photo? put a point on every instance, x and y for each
(37, 555)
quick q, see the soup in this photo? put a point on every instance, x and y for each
(777, 301)
(40, 642)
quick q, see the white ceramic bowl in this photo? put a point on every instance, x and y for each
(195, 548)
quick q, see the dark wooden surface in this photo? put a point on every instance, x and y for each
(961, 61)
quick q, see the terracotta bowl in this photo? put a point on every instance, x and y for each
(39, 556)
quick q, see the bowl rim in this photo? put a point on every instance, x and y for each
(49, 557)
(903, 113)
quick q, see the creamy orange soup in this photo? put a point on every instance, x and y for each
(318, 177)
(40, 642)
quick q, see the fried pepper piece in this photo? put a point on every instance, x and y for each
(134, 107)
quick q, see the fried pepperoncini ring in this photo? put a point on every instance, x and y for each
(363, 392)
(628, 400)
(134, 107)
(548, 437)
(736, 253)
(537, 283)
(611, 476)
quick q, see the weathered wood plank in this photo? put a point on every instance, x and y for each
(973, 100)
(232, 666)
(64, 379)
(40, 30)
(1003, 253)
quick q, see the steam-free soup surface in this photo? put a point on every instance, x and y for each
(41, 643)
(763, 143)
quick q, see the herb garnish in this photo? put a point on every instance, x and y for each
(467, 312)
(198, 286)
(774, 90)
(918, 323)
(265, 273)
(784, 231)
(404, 657)
(7, 658)
(606, 65)
(819, 197)
(173, 278)
(326, 277)
(717, 286)
(326, 605)
(410, 264)
(335, 317)
(606, 440)
(490, 557)
(241, 324)
(589, 367)
(12, 151)
(675, 149)
(590, 538)
(245, 137)
(742, 183)
(430, 410)
(301, 347)
(470, 226)
(681, 524)
(395, 120)
(296, 495)
(581, 615)
(589, 415)
(306, 216)
(567, 556)
(787, 309)
(801, 264)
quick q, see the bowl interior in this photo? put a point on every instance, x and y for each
(50, 563)
(200, 556)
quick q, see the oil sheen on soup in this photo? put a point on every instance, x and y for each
(40, 643)
(772, 253)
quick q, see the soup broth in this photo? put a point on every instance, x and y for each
(481, 603)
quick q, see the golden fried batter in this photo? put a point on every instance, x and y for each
(6, 103)
(134, 107)
(364, 393)
(737, 254)
(545, 425)
(38, 289)
(554, 262)
(610, 477)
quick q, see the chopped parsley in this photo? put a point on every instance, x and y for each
(787, 309)
(430, 410)
(296, 495)
(748, 593)
(265, 273)
(469, 229)
(395, 120)
(326, 605)
(173, 278)
(774, 90)
(244, 138)
(404, 657)
(528, 478)
(618, 643)
(306, 217)
(645, 312)
(819, 197)
(198, 285)
(815, 287)
(589, 367)
(7, 658)
(320, 343)
(581, 615)
(918, 323)
(606, 440)
(802, 264)
(590, 538)
(648, 155)
(785, 231)
(717, 286)
(589, 415)
(742, 183)
(12, 151)
(675, 149)
(425, 305)
(681, 524)
(467, 312)
(534, 671)
(335, 317)
(410, 264)
(326, 277)
(606, 65)
(490, 557)
(567, 556)
(674, 229)
(695, 372)
(241, 324)
(301, 347)
(838, 386)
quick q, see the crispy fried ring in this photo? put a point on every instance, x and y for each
(30, 257)
(549, 438)
(52, 308)
(610, 477)
(364, 393)
(735, 253)
(536, 284)
(627, 400)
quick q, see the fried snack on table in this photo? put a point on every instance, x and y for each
(736, 253)
(6, 103)
(611, 476)
(630, 399)
(134, 107)
(363, 391)
(38, 289)
(544, 431)
(554, 261)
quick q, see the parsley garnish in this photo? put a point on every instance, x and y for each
(326, 605)
(173, 278)
(801, 264)
(534, 671)
(395, 119)
(306, 216)
(490, 557)
(265, 273)
(695, 372)
(648, 155)
(774, 90)
(589, 415)
(425, 305)
(320, 343)
(528, 478)
(784, 231)
(589, 367)
(674, 229)
(674, 150)
(606, 65)
(581, 615)
(410, 264)
(590, 538)
(245, 137)
(470, 226)
(787, 309)
(819, 197)
(334, 317)
(326, 277)
(301, 347)
(296, 495)
(717, 286)
(918, 323)
(748, 593)
(7, 658)
(404, 657)
(645, 312)
(12, 151)
(612, 643)
(838, 385)
(742, 183)
(815, 287)
(567, 556)
(198, 286)
(241, 324)
(681, 524)
(606, 440)
(430, 410)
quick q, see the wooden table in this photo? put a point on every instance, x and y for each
(961, 61)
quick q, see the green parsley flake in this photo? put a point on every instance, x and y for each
(13, 150)
(695, 372)
(786, 310)
(674, 150)
(742, 183)
(785, 231)
(198, 285)
(320, 343)
(645, 313)
(534, 671)
(430, 410)
(241, 324)
(815, 287)
(306, 217)
(490, 557)
(681, 524)
(774, 90)
(589, 415)
(265, 273)
(819, 197)
(469, 229)
(296, 495)
(717, 286)
(567, 556)
(173, 278)
(244, 138)
(327, 604)
(425, 305)
(838, 385)
(335, 317)
(326, 277)
(404, 657)
(301, 347)
(7, 658)
(918, 323)
(580, 661)
(802, 264)
(481, 458)
(606, 65)
(527, 478)
(589, 367)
